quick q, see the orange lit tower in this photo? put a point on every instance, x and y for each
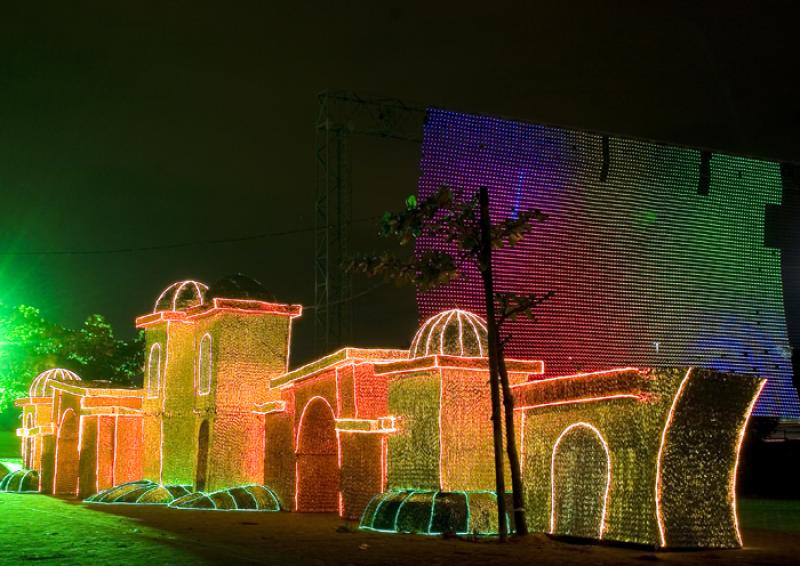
(210, 354)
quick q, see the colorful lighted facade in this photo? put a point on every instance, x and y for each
(649, 265)
(397, 439)
(80, 437)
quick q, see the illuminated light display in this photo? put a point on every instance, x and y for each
(204, 373)
(241, 498)
(396, 438)
(180, 295)
(455, 332)
(645, 270)
(735, 471)
(655, 471)
(583, 454)
(42, 384)
(659, 457)
(432, 513)
(140, 492)
(20, 481)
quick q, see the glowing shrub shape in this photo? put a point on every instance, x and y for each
(42, 384)
(242, 498)
(668, 441)
(318, 478)
(453, 332)
(204, 368)
(432, 513)
(20, 481)
(140, 492)
(154, 370)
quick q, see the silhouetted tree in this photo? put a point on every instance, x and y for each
(30, 344)
(464, 225)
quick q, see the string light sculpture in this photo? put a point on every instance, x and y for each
(42, 385)
(396, 438)
(650, 460)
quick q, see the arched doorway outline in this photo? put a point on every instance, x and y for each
(29, 444)
(201, 462)
(297, 439)
(69, 413)
(604, 444)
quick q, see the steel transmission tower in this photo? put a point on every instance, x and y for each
(341, 115)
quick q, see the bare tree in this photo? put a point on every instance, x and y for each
(464, 225)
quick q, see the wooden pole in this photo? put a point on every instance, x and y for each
(485, 267)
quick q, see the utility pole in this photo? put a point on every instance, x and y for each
(342, 115)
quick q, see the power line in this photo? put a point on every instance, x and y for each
(176, 245)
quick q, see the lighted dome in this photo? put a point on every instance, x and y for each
(453, 333)
(41, 386)
(181, 295)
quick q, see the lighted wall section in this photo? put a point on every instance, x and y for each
(646, 271)
(635, 456)
(414, 453)
(152, 404)
(178, 421)
(248, 350)
(467, 449)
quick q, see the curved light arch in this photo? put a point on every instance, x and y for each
(441, 322)
(603, 442)
(298, 435)
(444, 329)
(153, 392)
(205, 370)
(662, 534)
(176, 289)
(41, 383)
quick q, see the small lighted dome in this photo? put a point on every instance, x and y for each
(453, 333)
(42, 384)
(181, 295)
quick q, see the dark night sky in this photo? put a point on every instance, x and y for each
(150, 124)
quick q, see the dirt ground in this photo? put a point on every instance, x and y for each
(58, 531)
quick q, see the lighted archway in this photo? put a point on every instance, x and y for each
(65, 479)
(28, 444)
(580, 477)
(154, 370)
(317, 459)
(201, 469)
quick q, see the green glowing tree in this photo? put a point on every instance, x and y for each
(464, 225)
(30, 344)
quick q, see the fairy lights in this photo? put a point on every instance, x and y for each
(204, 365)
(396, 437)
(674, 484)
(154, 371)
(660, 520)
(180, 295)
(445, 333)
(735, 471)
(42, 385)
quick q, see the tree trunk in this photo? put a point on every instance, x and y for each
(520, 524)
(485, 266)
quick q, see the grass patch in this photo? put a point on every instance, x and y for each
(771, 514)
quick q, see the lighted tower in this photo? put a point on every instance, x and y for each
(210, 354)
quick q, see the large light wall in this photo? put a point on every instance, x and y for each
(646, 269)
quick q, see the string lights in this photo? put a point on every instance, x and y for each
(396, 438)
